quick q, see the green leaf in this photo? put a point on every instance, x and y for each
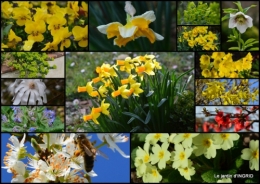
(5, 129)
(233, 48)
(148, 118)
(150, 93)
(7, 29)
(249, 41)
(133, 115)
(135, 129)
(239, 6)
(254, 49)
(235, 33)
(239, 162)
(130, 120)
(227, 16)
(133, 154)
(175, 177)
(247, 8)
(166, 172)
(142, 137)
(210, 176)
(161, 102)
(230, 10)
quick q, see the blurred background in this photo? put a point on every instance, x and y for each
(252, 32)
(102, 13)
(55, 91)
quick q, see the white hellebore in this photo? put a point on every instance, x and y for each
(28, 92)
(241, 21)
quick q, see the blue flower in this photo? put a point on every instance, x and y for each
(49, 115)
(32, 129)
(4, 118)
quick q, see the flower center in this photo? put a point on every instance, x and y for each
(240, 19)
(255, 154)
(154, 173)
(31, 85)
(146, 158)
(186, 136)
(161, 154)
(182, 156)
(225, 136)
(186, 169)
(207, 143)
(157, 136)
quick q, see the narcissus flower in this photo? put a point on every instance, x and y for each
(240, 21)
(135, 27)
(81, 34)
(121, 91)
(252, 154)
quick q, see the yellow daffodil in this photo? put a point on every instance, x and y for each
(92, 116)
(135, 27)
(13, 39)
(35, 30)
(21, 15)
(147, 68)
(88, 88)
(129, 80)
(81, 34)
(6, 9)
(103, 108)
(135, 89)
(121, 91)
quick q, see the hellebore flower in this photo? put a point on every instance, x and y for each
(241, 21)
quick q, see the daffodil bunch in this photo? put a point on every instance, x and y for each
(135, 94)
(239, 22)
(136, 26)
(227, 92)
(222, 65)
(197, 39)
(52, 157)
(179, 157)
(44, 25)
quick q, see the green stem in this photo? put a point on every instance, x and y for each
(102, 144)
(239, 41)
(48, 141)
(32, 157)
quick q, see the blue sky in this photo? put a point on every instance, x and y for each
(115, 169)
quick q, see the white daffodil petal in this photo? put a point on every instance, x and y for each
(158, 36)
(127, 32)
(149, 15)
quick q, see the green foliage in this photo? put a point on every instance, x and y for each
(25, 119)
(198, 13)
(30, 64)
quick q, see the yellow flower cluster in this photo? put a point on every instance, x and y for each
(46, 21)
(133, 67)
(224, 66)
(238, 94)
(199, 37)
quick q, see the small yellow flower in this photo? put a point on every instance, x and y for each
(21, 15)
(81, 34)
(56, 22)
(35, 30)
(6, 9)
(13, 39)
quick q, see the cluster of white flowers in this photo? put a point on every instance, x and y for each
(54, 160)
(185, 144)
(28, 92)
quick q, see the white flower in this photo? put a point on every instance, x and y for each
(224, 180)
(241, 21)
(28, 89)
(111, 140)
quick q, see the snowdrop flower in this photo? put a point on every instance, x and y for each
(28, 90)
(136, 26)
(241, 21)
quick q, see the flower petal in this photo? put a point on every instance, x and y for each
(126, 32)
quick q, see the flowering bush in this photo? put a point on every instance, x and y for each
(31, 119)
(228, 118)
(30, 64)
(198, 13)
(194, 157)
(197, 39)
(239, 22)
(221, 64)
(44, 25)
(227, 92)
(137, 94)
(52, 157)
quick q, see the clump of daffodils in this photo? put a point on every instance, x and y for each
(135, 27)
(134, 70)
(185, 153)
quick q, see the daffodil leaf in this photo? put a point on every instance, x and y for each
(130, 120)
(133, 115)
(161, 102)
(148, 118)
(150, 93)
(135, 129)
